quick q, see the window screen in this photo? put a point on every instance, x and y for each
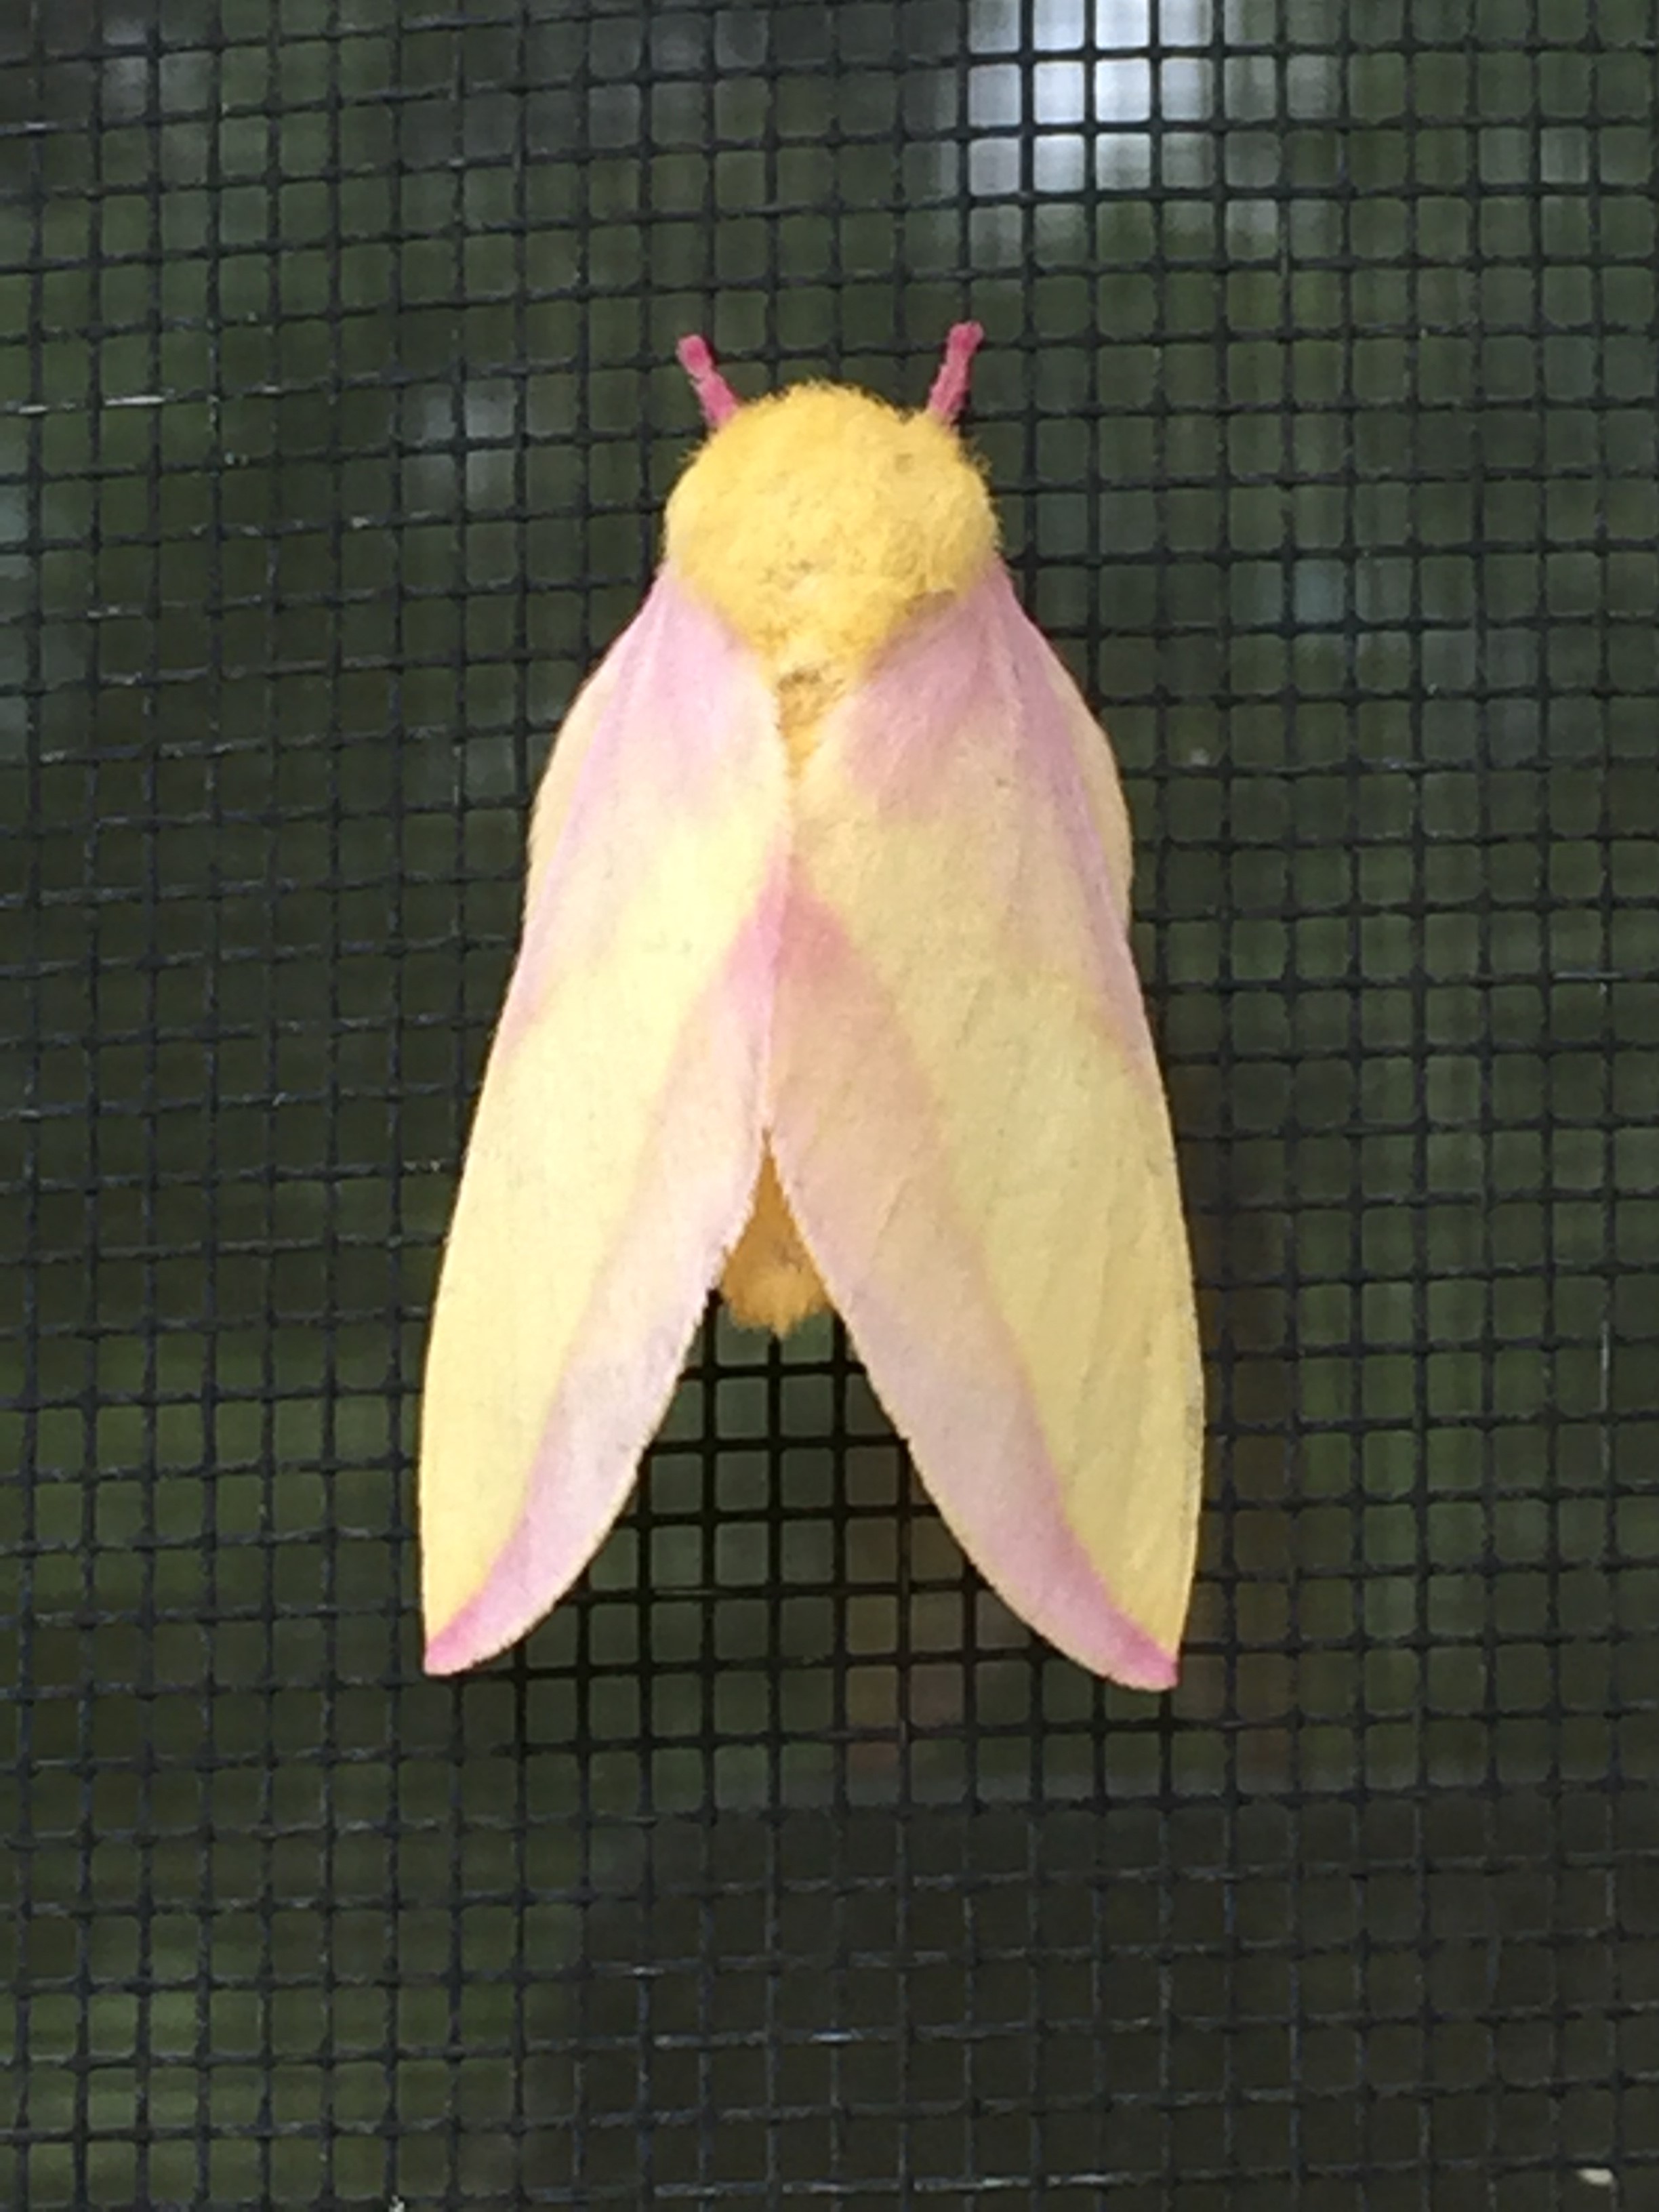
(781, 1865)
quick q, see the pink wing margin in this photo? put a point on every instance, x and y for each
(969, 1123)
(617, 1138)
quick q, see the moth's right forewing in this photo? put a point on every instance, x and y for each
(970, 1127)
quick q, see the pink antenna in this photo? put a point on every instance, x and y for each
(949, 390)
(714, 395)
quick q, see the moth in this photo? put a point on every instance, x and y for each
(825, 996)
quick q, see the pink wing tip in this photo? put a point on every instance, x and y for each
(467, 1641)
(499, 1614)
(1144, 1665)
(949, 391)
(714, 395)
(446, 1654)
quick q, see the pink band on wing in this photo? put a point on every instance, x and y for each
(949, 389)
(714, 395)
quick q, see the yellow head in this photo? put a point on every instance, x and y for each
(817, 521)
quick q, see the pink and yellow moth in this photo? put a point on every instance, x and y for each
(825, 995)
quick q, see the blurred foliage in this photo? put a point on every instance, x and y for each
(336, 402)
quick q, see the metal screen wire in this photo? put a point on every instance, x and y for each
(337, 410)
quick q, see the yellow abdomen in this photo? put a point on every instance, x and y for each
(818, 522)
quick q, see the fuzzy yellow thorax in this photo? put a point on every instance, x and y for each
(819, 521)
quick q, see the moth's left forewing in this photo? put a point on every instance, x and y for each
(970, 1123)
(616, 1140)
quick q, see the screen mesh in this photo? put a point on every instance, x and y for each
(336, 409)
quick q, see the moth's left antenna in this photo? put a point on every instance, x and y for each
(714, 395)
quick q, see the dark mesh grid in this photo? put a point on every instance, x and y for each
(336, 405)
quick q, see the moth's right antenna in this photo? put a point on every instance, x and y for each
(950, 391)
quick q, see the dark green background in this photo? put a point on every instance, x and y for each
(337, 403)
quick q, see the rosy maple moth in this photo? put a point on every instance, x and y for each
(825, 995)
